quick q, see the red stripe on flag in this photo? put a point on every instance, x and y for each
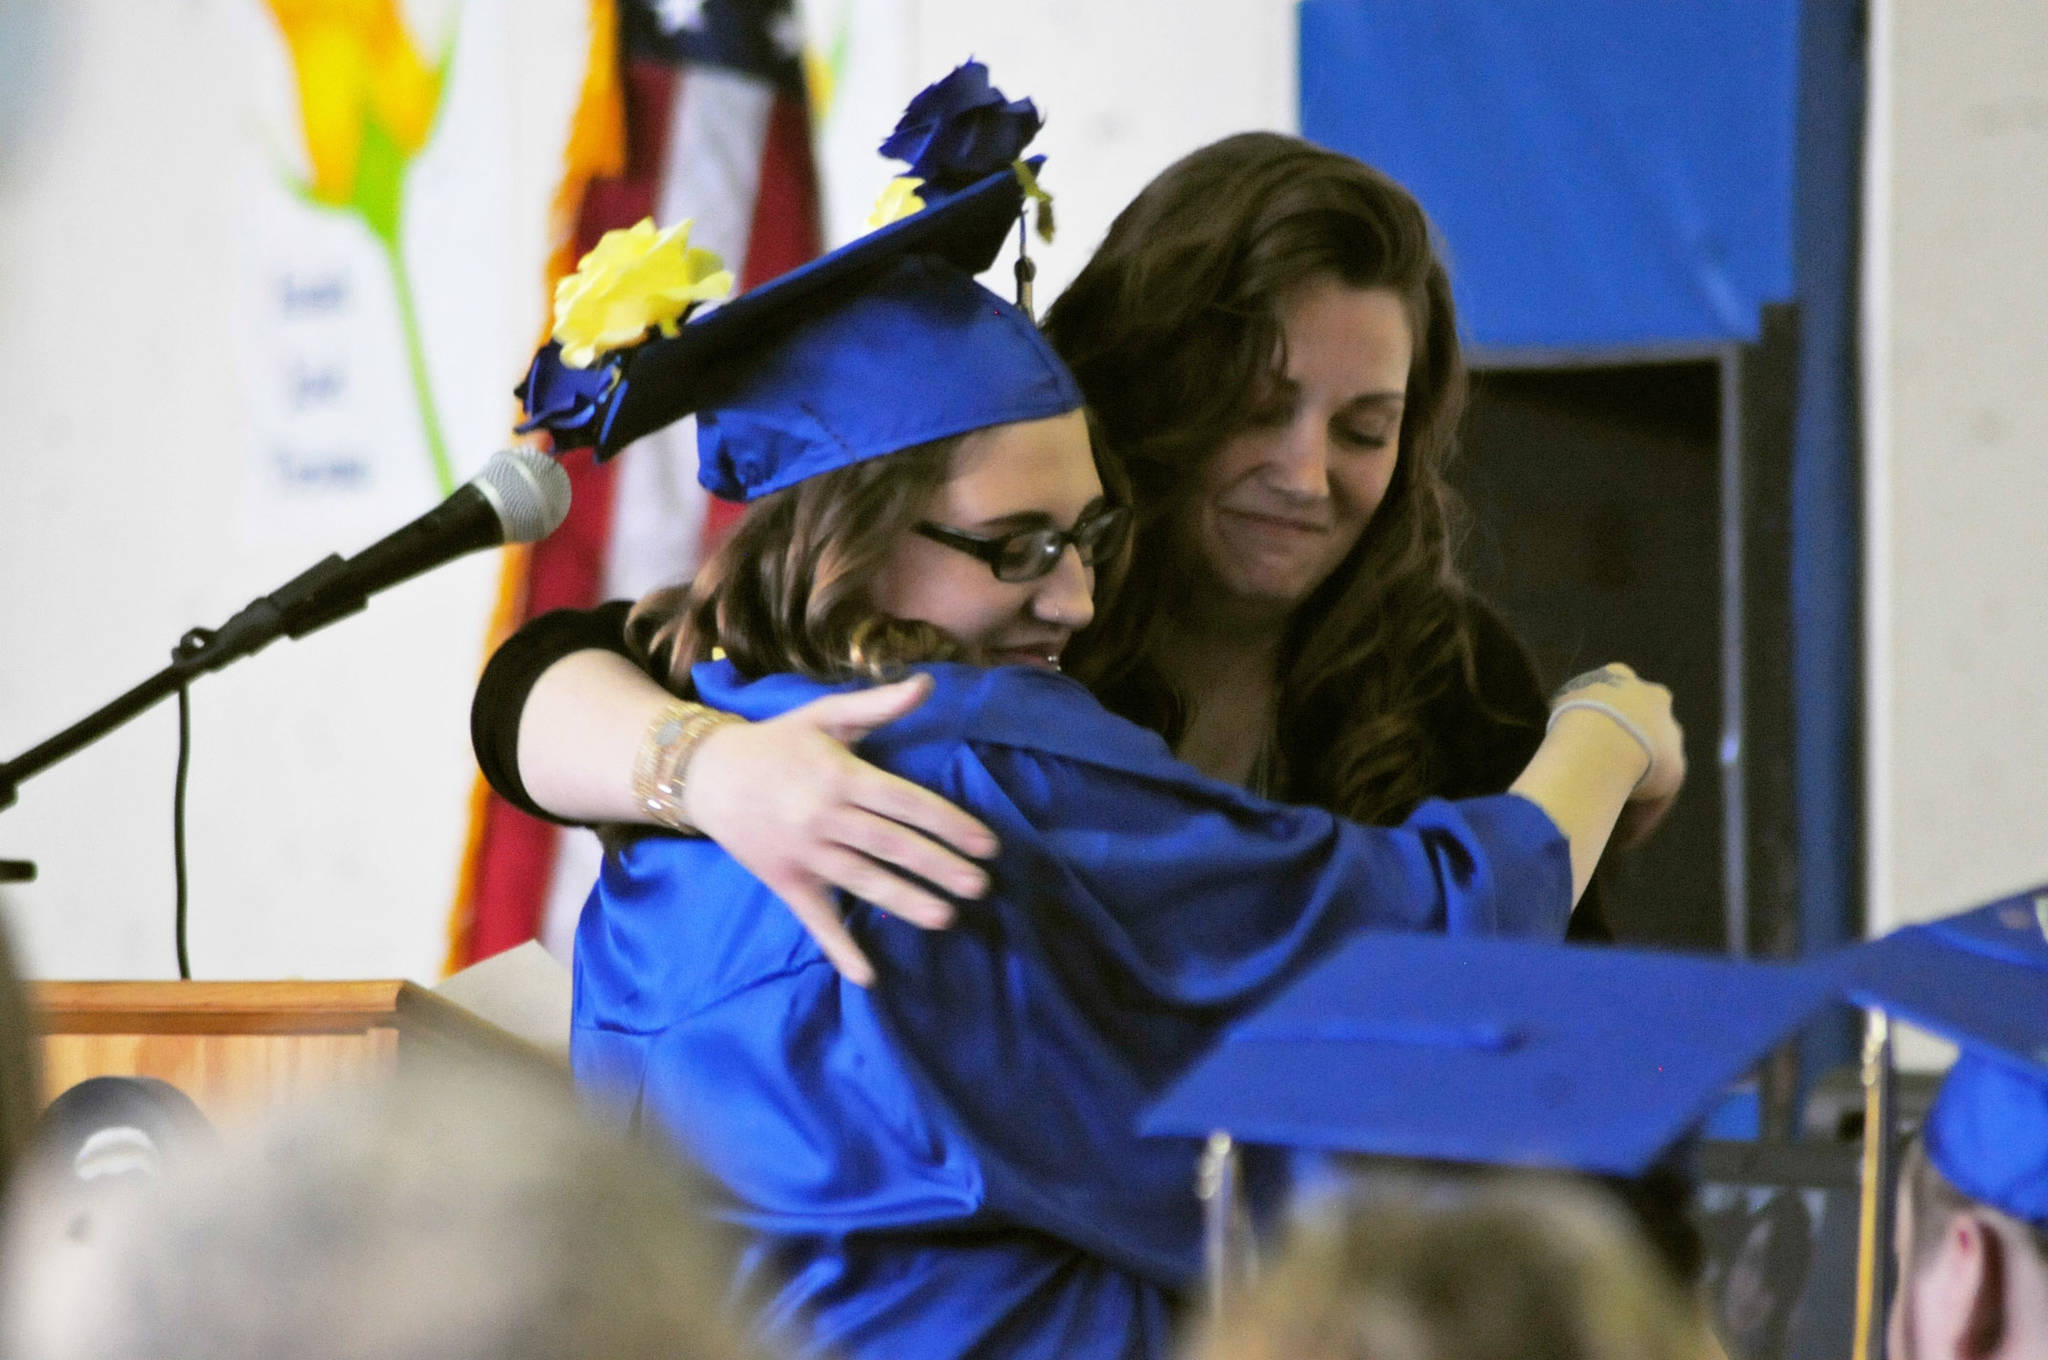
(786, 230)
(649, 88)
(510, 887)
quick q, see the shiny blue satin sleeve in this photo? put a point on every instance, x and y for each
(1198, 895)
(1200, 890)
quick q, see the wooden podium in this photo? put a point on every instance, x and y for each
(235, 1047)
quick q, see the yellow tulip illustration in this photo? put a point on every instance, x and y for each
(367, 105)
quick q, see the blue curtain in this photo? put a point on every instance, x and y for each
(1608, 174)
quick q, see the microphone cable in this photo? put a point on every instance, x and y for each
(178, 822)
(520, 496)
(198, 637)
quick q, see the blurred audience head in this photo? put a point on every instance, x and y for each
(450, 1215)
(1518, 1269)
(1972, 1279)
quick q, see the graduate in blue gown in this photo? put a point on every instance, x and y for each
(992, 1078)
(947, 1164)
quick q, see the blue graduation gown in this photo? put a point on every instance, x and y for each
(945, 1164)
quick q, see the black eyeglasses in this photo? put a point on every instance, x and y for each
(1029, 554)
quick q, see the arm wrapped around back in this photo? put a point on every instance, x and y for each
(996, 1070)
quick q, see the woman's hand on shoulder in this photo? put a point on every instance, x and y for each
(789, 800)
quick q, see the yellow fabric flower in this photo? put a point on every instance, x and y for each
(899, 200)
(633, 278)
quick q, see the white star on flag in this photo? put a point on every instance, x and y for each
(675, 16)
(786, 31)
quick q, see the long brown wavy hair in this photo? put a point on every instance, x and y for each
(789, 589)
(1172, 328)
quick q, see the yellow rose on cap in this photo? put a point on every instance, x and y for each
(899, 200)
(633, 278)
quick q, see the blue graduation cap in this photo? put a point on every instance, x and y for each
(1979, 979)
(919, 352)
(1505, 1052)
(884, 343)
(1988, 1134)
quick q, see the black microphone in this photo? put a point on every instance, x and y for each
(520, 496)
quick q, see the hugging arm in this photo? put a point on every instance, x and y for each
(1139, 907)
(562, 712)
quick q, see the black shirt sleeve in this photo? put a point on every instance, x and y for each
(1489, 737)
(1489, 734)
(510, 676)
(1486, 737)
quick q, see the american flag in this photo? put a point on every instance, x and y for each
(701, 114)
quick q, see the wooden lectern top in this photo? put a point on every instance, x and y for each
(250, 1008)
(235, 1046)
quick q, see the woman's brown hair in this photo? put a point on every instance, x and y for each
(1172, 329)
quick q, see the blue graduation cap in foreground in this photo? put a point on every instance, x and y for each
(1979, 979)
(1505, 1052)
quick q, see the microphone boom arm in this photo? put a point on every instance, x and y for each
(519, 497)
(294, 609)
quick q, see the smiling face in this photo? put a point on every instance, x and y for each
(1008, 477)
(1285, 498)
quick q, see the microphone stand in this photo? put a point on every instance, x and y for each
(293, 610)
(520, 496)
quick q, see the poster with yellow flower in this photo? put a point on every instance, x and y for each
(391, 221)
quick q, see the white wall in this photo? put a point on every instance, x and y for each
(330, 776)
(1957, 414)
(1127, 88)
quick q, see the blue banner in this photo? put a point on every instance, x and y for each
(1608, 174)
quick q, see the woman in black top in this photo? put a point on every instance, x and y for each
(1293, 620)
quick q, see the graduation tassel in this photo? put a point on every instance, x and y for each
(1874, 1209)
(1027, 270)
(1227, 1257)
(1034, 195)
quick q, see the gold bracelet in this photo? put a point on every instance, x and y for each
(663, 761)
